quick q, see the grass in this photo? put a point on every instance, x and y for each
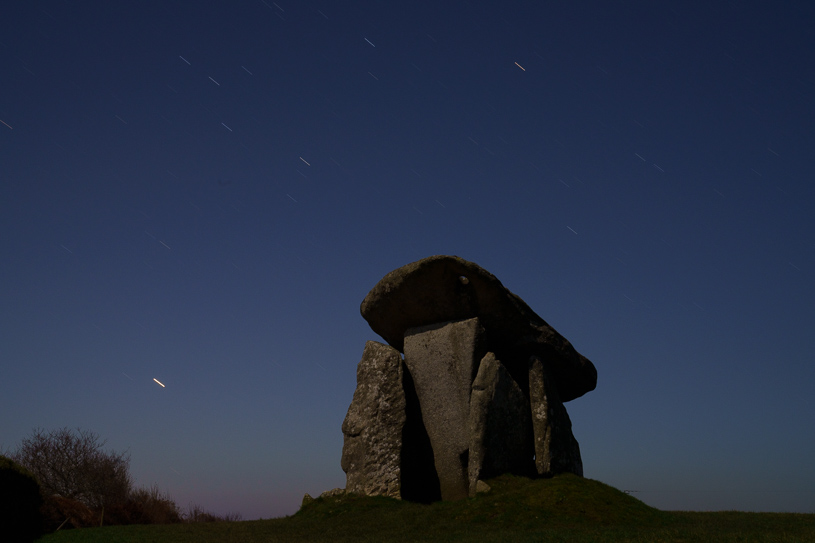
(565, 508)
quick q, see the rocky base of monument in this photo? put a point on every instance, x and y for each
(470, 385)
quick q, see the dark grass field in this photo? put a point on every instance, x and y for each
(565, 508)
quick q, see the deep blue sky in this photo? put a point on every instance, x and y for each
(204, 192)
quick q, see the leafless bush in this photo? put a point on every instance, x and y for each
(84, 485)
(72, 464)
(196, 513)
(232, 517)
(152, 506)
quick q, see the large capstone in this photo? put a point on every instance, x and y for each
(444, 288)
(373, 426)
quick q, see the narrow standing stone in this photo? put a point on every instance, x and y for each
(372, 429)
(500, 425)
(556, 449)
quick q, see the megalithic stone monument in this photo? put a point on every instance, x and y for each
(479, 392)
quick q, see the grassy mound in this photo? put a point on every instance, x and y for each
(515, 506)
(565, 499)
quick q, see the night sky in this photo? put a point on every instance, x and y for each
(202, 193)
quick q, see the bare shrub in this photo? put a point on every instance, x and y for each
(84, 485)
(149, 505)
(72, 464)
(196, 513)
(232, 517)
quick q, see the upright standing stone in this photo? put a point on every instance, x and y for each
(372, 429)
(500, 425)
(556, 449)
(442, 360)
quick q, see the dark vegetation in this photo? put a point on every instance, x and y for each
(64, 479)
(20, 502)
(564, 508)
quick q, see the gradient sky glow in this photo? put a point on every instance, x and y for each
(202, 193)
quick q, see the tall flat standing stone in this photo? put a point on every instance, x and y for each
(556, 449)
(373, 426)
(500, 425)
(442, 360)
